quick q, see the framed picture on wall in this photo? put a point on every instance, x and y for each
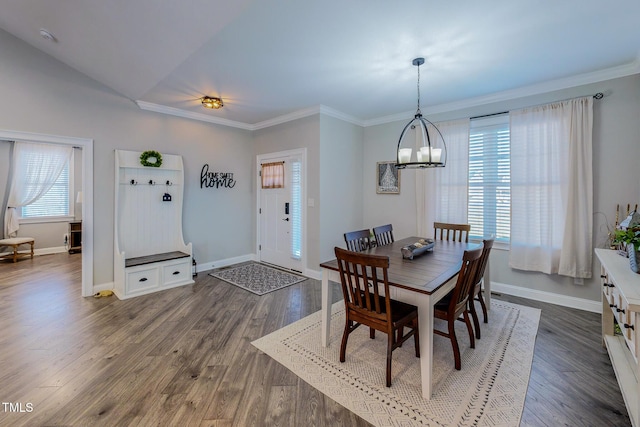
(387, 178)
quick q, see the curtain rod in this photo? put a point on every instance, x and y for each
(598, 95)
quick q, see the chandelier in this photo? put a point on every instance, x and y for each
(429, 154)
(210, 102)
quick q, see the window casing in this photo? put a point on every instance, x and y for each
(489, 191)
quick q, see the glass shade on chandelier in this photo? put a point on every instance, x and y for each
(431, 150)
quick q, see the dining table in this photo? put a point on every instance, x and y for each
(421, 281)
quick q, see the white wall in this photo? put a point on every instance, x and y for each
(616, 150)
(44, 96)
(341, 195)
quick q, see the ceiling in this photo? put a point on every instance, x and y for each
(274, 59)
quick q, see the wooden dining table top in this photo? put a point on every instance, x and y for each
(424, 273)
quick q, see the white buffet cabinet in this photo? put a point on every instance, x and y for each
(149, 250)
(621, 303)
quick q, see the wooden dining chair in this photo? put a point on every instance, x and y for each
(476, 290)
(455, 303)
(451, 232)
(383, 234)
(366, 305)
(358, 241)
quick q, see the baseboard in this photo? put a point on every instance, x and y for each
(314, 274)
(223, 262)
(549, 297)
(108, 286)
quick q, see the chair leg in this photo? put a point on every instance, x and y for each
(454, 343)
(389, 351)
(372, 333)
(474, 316)
(484, 307)
(400, 335)
(467, 321)
(345, 337)
(416, 337)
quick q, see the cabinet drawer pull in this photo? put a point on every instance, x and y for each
(144, 279)
(603, 276)
(610, 285)
(176, 272)
(628, 326)
(620, 310)
(613, 305)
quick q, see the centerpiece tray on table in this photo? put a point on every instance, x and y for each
(418, 248)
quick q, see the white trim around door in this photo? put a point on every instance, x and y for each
(87, 193)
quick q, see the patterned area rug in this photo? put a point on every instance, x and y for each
(489, 390)
(257, 278)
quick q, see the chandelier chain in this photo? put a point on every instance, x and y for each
(418, 108)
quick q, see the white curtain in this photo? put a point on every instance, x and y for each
(552, 188)
(36, 167)
(441, 193)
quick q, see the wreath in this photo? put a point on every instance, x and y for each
(151, 158)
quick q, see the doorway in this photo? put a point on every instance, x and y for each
(281, 225)
(87, 193)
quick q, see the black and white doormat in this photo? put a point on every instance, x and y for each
(257, 278)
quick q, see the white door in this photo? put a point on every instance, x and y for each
(280, 216)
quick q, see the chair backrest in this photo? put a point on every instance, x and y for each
(451, 232)
(486, 251)
(364, 280)
(383, 234)
(466, 280)
(358, 241)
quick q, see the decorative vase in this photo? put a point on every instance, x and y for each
(633, 258)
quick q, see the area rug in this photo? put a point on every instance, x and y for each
(257, 278)
(489, 390)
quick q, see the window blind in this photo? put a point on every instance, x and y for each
(296, 209)
(489, 205)
(54, 203)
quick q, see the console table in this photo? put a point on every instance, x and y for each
(621, 306)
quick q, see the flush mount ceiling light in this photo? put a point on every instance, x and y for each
(209, 102)
(429, 153)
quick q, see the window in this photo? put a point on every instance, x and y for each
(56, 202)
(296, 209)
(489, 193)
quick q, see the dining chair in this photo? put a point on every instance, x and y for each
(367, 305)
(358, 241)
(455, 303)
(476, 290)
(451, 232)
(383, 234)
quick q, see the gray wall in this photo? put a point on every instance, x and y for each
(616, 150)
(42, 95)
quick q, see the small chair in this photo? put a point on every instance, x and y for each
(455, 303)
(383, 234)
(476, 290)
(358, 241)
(365, 305)
(451, 232)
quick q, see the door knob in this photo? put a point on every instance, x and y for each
(285, 219)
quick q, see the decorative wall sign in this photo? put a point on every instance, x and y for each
(216, 179)
(387, 178)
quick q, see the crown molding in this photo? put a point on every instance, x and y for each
(537, 89)
(157, 108)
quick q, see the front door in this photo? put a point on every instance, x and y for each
(281, 211)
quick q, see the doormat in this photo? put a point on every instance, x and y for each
(257, 278)
(489, 390)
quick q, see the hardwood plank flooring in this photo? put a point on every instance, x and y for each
(183, 357)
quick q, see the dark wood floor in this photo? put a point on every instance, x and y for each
(183, 357)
